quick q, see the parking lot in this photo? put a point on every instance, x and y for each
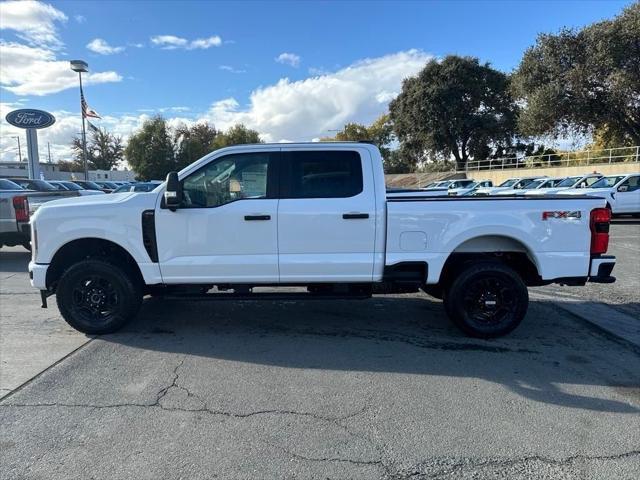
(385, 388)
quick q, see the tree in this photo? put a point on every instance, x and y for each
(104, 151)
(584, 81)
(380, 133)
(70, 165)
(192, 143)
(236, 135)
(150, 150)
(456, 107)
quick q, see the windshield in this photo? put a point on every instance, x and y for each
(90, 185)
(71, 186)
(509, 183)
(568, 182)
(534, 184)
(607, 182)
(9, 185)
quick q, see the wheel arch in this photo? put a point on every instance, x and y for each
(91, 247)
(502, 248)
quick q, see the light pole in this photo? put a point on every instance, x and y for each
(19, 149)
(82, 66)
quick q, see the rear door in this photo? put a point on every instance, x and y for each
(326, 216)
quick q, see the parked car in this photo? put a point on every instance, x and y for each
(579, 181)
(7, 185)
(17, 204)
(107, 187)
(137, 187)
(509, 184)
(470, 188)
(540, 183)
(73, 187)
(89, 185)
(622, 193)
(322, 220)
(34, 184)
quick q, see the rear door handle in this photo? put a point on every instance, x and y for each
(353, 216)
(257, 217)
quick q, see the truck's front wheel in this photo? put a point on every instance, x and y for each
(97, 297)
(487, 300)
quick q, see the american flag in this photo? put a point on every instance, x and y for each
(87, 111)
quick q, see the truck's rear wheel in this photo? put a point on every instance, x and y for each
(487, 300)
(97, 297)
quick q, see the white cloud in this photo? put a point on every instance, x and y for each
(286, 111)
(33, 68)
(229, 68)
(26, 70)
(289, 59)
(80, 18)
(100, 46)
(172, 42)
(32, 21)
(308, 108)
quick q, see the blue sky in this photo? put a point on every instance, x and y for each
(221, 65)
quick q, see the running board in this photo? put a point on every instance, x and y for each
(266, 296)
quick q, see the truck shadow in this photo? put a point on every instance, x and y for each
(14, 260)
(549, 358)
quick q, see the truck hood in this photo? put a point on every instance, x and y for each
(112, 203)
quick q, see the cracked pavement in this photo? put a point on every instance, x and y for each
(384, 388)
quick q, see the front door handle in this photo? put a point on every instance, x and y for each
(257, 217)
(353, 216)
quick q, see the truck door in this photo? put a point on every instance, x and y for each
(326, 216)
(226, 227)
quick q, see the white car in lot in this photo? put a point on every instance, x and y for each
(509, 184)
(577, 181)
(540, 183)
(622, 193)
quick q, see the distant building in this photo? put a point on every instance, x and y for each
(51, 171)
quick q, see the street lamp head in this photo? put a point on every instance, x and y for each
(79, 66)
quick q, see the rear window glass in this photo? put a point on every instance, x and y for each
(324, 174)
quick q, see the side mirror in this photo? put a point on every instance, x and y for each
(173, 193)
(623, 188)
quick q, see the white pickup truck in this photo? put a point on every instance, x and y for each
(316, 216)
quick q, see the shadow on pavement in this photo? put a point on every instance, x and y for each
(402, 334)
(15, 261)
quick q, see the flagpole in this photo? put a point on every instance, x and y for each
(84, 133)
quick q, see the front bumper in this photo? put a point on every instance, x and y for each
(38, 275)
(601, 268)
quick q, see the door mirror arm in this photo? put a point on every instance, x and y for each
(173, 193)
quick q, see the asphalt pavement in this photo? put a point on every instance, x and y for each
(381, 388)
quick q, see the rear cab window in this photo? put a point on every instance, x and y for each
(321, 174)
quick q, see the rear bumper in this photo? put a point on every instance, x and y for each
(601, 268)
(38, 275)
(21, 235)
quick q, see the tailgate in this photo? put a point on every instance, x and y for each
(38, 198)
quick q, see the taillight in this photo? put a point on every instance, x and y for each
(600, 218)
(21, 207)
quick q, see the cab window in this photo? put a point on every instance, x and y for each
(227, 179)
(322, 174)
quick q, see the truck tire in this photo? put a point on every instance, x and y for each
(487, 300)
(97, 297)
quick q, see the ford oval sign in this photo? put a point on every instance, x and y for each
(29, 118)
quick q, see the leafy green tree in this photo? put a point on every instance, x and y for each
(380, 133)
(584, 81)
(192, 143)
(236, 135)
(150, 151)
(104, 151)
(454, 107)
